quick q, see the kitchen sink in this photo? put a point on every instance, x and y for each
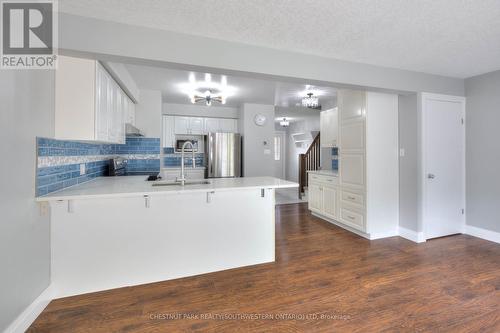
(188, 182)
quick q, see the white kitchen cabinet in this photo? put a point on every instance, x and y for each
(329, 128)
(90, 105)
(323, 195)
(228, 125)
(189, 125)
(315, 197)
(223, 125)
(211, 125)
(129, 111)
(367, 194)
(168, 131)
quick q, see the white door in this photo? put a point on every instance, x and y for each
(315, 199)
(279, 155)
(181, 125)
(211, 125)
(196, 125)
(330, 202)
(443, 171)
(228, 125)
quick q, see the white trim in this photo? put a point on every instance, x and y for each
(341, 225)
(490, 235)
(28, 316)
(414, 236)
(379, 235)
(423, 98)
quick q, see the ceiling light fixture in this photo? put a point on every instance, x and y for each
(207, 91)
(284, 123)
(208, 98)
(311, 101)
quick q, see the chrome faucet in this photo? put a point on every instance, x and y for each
(182, 180)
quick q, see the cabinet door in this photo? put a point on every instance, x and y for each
(169, 131)
(131, 112)
(228, 125)
(352, 104)
(315, 197)
(182, 125)
(353, 169)
(353, 136)
(196, 125)
(330, 198)
(211, 125)
(102, 105)
(329, 128)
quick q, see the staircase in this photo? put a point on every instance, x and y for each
(310, 160)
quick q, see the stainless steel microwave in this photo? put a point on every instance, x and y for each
(180, 142)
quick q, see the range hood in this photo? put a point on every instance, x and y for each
(131, 130)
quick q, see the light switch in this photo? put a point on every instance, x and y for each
(401, 152)
(82, 169)
(267, 151)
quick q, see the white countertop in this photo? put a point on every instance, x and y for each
(333, 173)
(128, 186)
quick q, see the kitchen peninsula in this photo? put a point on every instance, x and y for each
(120, 231)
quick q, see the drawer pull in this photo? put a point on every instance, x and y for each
(351, 217)
(351, 198)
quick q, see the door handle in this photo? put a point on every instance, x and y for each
(431, 176)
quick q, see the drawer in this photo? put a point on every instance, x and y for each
(354, 198)
(324, 179)
(353, 218)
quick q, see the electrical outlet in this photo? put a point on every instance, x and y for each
(82, 169)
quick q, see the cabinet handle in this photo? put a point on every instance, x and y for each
(351, 217)
(351, 198)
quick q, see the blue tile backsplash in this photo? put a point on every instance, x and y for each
(335, 161)
(59, 161)
(173, 160)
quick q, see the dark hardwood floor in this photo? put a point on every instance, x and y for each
(324, 279)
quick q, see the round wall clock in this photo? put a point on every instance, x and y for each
(260, 119)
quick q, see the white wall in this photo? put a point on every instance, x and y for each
(292, 162)
(156, 47)
(148, 113)
(256, 162)
(196, 110)
(27, 111)
(482, 151)
(408, 165)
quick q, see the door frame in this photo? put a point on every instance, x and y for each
(423, 99)
(284, 149)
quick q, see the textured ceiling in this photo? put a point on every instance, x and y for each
(458, 38)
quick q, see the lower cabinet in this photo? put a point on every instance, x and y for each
(323, 199)
(329, 200)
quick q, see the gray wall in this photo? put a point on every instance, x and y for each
(482, 151)
(255, 161)
(408, 165)
(149, 46)
(27, 111)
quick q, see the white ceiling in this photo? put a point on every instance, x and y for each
(458, 38)
(247, 90)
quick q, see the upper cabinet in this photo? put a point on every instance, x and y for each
(189, 125)
(90, 105)
(201, 126)
(224, 125)
(329, 126)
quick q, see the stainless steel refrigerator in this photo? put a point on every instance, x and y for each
(223, 155)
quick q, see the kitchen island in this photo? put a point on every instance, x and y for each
(121, 231)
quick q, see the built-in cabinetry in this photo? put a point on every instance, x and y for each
(180, 125)
(90, 105)
(366, 196)
(329, 128)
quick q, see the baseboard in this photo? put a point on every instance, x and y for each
(414, 236)
(28, 316)
(386, 234)
(490, 235)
